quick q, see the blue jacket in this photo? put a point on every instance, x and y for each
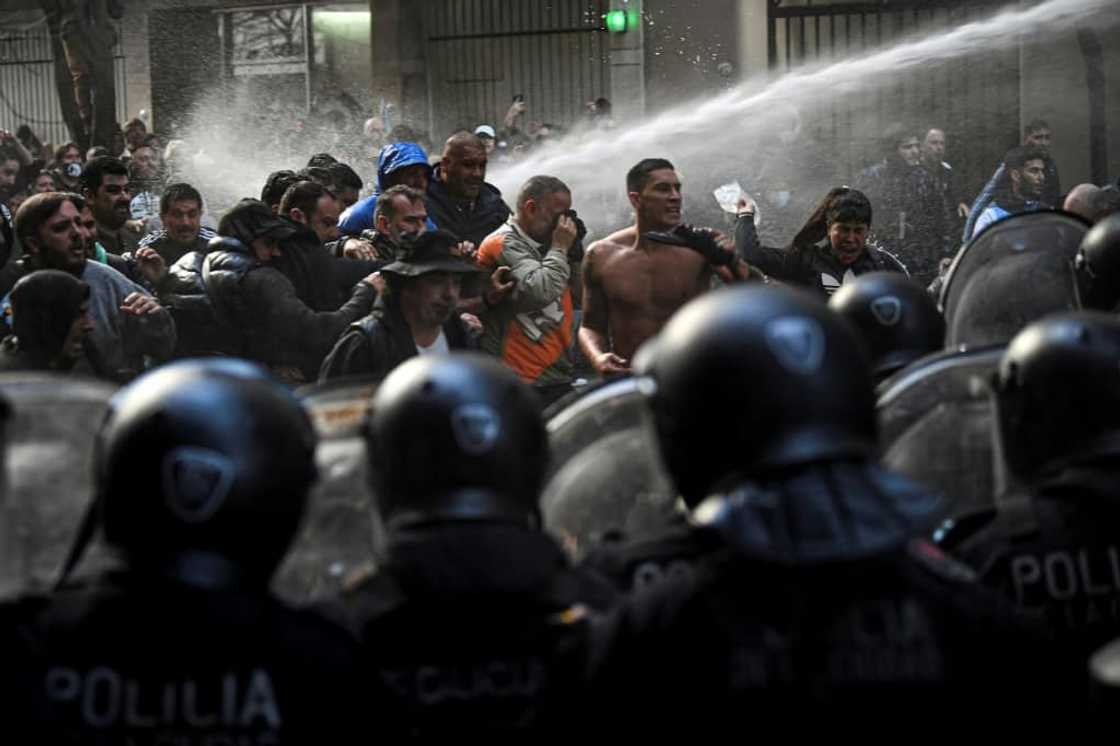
(993, 213)
(1001, 208)
(393, 157)
(981, 204)
(1051, 191)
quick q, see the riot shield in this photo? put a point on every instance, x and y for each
(341, 533)
(605, 472)
(936, 427)
(49, 471)
(1015, 272)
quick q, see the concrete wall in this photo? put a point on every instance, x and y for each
(1053, 87)
(690, 46)
(752, 38)
(399, 58)
(629, 64)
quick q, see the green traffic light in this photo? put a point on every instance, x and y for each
(615, 21)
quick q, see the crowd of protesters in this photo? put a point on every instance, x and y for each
(806, 580)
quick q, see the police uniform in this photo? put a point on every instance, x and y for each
(1053, 547)
(476, 625)
(475, 629)
(818, 607)
(124, 659)
(810, 628)
(1063, 562)
(183, 643)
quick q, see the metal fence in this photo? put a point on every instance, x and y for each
(481, 53)
(27, 88)
(975, 99)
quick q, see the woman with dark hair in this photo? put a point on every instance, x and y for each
(830, 249)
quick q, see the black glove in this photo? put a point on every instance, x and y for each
(575, 253)
(700, 240)
(386, 249)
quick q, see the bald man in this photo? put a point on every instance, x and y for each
(458, 199)
(1092, 202)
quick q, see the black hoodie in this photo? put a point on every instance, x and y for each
(44, 306)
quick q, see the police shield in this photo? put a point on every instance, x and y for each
(341, 533)
(1016, 271)
(935, 426)
(49, 474)
(605, 472)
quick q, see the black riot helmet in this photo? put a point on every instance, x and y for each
(752, 379)
(1098, 265)
(203, 469)
(456, 437)
(897, 319)
(1057, 393)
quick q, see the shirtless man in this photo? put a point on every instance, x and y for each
(632, 285)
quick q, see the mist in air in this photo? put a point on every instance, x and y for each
(786, 140)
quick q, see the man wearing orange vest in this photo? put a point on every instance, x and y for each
(531, 329)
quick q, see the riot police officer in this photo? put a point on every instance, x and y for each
(1098, 265)
(202, 472)
(895, 317)
(819, 600)
(898, 323)
(475, 621)
(1054, 546)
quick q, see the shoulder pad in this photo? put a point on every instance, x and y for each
(5, 211)
(930, 557)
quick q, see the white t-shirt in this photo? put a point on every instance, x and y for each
(435, 348)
